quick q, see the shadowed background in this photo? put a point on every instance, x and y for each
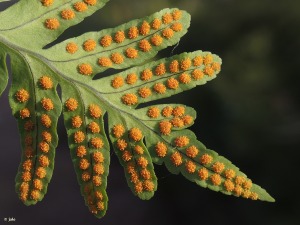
(249, 114)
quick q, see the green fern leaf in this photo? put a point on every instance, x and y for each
(139, 136)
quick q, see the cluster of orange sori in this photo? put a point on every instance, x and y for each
(134, 157)
(176, 73)
(163, 27)
(207, 169)
(66, 14)
(176, 118)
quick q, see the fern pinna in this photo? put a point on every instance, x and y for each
(139, 136)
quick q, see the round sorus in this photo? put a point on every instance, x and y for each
(76, 121)
(159, 88)
(44, 161)
(47, 104)
(117, 82)
(145, 28)
(142, 162)
(84, 164)
(177, 122)
(165, 127)
(197, 74)
(95, 111)
(45, 82)
(135, 134)
(238, 190)
(85, 176)
(167, 18)
(35, 195)
(145, 174)
(145, 92)
(97, 181)
(46, 136)
(247, 184)
(97, 142)
(153, 112)
(138, 150)
(24, 113)
(81, 151)
(161, 149)
(67, 14)
(176, 27)
(190, 167)
(181, 141)
(106, 41)
(28, 140)
(29, 125)
(98, 195)
(46, 120)
(85, 69)
(156, 40)
(133, 32)
(206, 159)
(216, 179)
(197, 61)
(145, 45)
(134, 177)
(160, 69)
(178, 111)
(121, 144)
(208, 71)
(26, 176)
(167, 111)
(126, 156)
(176, 14)
(239, 180)
(89, 45)
(41, 172)
(156, 23)
(47, 2)
(138, 187)
(185, 64)
(98, 169)
(119, 36)
(52, 23)
(218, 167)
(229, 174)
(203, 174)
(246, 194)
(254, 196)
(172, 83)
(168, 33)
(216, 66)
(24, 187)
(79, 137)
(187, 120)
(117, 58)
(208, 59)
(105, 62)
(91, 2)
(80, 6)
(146, 75)
(22, 95)
(71, 104)
(192, 151)
(44, 147)
(71, 47)
(38, 184)
(131, 78)
(229, 185)
(148, 185)
(176, 159)
(98, 157)
(94, 127)
(174, 66)
(100, 206)
(129, 99)
(131, 53)
(118, 130)
(184, 78)
(27, 165)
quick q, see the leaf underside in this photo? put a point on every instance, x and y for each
(139, 136)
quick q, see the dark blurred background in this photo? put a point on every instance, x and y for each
(249, 114)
